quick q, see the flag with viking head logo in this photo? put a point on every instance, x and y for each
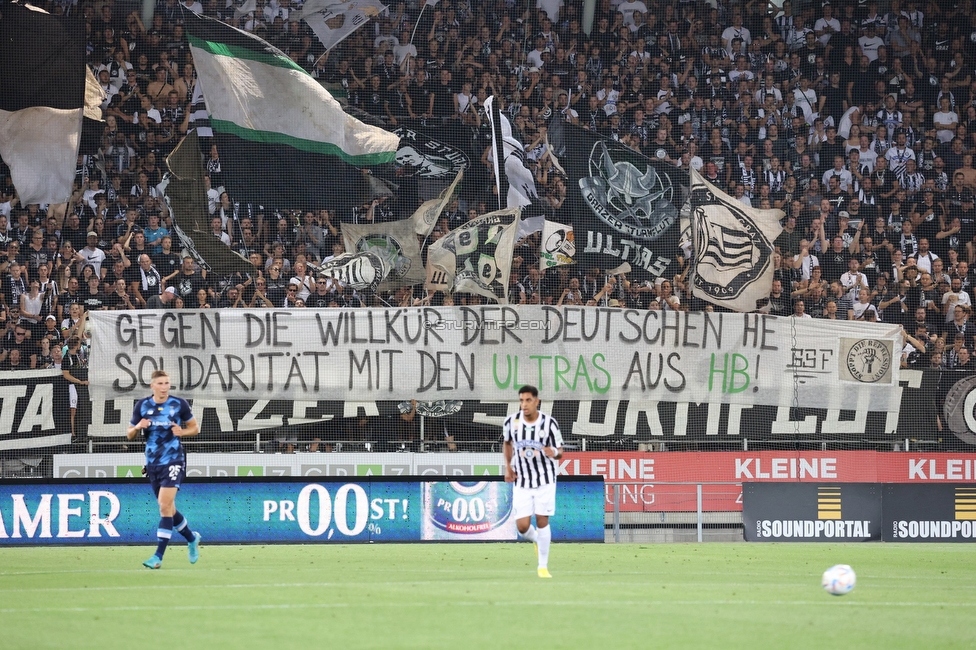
(621, 205)
(733, 247)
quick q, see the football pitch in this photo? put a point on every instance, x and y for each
(718, 595)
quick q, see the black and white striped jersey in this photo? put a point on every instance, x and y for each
(532, 467)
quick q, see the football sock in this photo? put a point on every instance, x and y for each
(181, 526)
(163, 534)
(545, 536)
(531, 534)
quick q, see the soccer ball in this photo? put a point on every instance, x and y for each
(839, 579)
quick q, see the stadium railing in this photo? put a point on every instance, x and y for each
(673, 512)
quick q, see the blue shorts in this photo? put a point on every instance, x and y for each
(165, 476)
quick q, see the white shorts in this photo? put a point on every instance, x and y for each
(72, 396)
(534, 501)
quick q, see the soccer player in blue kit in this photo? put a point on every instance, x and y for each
(165, 419)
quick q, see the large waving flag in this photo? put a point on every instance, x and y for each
(623, 206)
(186, 196)
(519, 180)
(363, 271)
(425, 217)
(333, 21)
(395, 241)
(733, 247)
(475, 257)
(283, 139)
(42, 99)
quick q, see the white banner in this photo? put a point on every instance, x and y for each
(488, 352)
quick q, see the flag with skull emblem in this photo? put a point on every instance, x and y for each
(622, 205)
(733, 247)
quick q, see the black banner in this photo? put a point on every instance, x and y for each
(624, 421)
(931, 398)
(623, 205)
(44, 395)
(942, 512)
(811, 512)
(34, 410)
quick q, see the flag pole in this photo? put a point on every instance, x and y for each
(417, 24)
(324, 54)
(498, 150)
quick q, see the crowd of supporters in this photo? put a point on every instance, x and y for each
(856, 118)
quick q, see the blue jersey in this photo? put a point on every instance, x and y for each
(162, 447)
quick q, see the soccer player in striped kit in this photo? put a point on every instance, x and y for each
(532, 445)
(164, 419)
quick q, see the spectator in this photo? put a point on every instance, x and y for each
(162, 300)
(148, 284)
(74, 366)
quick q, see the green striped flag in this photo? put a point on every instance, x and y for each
(283, 139)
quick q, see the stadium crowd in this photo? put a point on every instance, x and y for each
(856, 118)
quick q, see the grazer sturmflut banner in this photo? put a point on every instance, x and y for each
(486, 353)
(626, 421)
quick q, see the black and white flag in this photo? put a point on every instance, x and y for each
(186, 196)
(362, 271)
(558, 245)
(622, 205)
(733, 247)
(396, 243)
(425, 217)
(333, 21)
(476, 257)
(513, 179)
(42, 74)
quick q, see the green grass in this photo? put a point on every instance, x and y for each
(488, 596)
